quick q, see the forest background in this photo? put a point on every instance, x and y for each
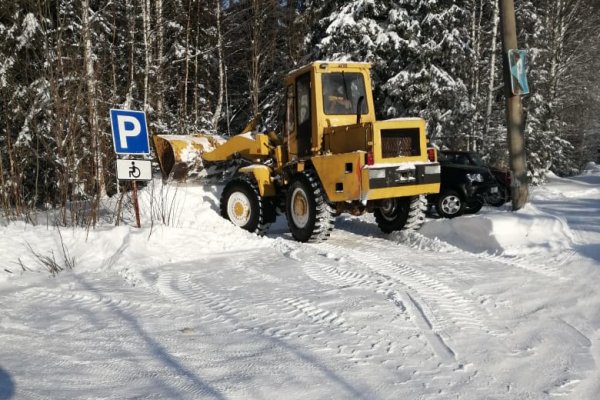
(211, 65)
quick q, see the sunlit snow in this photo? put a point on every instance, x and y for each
(500, 304)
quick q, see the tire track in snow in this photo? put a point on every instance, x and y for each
(384, 275)
(291, 319)
(530, 263)
(284, 321)
(119, 340)
(379, 282)
(92, 301)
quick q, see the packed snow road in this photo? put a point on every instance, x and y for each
(497, 306)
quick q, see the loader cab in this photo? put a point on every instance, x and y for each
(323, 95)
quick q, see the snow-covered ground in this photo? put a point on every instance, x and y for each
(498, 305)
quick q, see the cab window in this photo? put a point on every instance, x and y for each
(341, 92)
(291, 112)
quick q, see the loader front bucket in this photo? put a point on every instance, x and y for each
(179, 156)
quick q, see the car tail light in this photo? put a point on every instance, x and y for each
(369, 158)
(431, 154)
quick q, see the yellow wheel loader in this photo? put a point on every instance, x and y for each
(333, 157)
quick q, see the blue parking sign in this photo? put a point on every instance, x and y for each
(130, 132)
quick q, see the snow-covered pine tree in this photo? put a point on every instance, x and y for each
(544, 141)
(27, 168)
(420, 54)
(446, 62)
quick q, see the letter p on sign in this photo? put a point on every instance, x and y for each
(130, 132)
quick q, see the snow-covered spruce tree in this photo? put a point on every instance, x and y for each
(27, 163)
(255, 57)
(489, 123)
(574, 29)
(419, 51)
(446, 63)
(363, 30)
(545, 144)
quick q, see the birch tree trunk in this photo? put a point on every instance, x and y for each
(492, 69)
(219, 107)
(146, 20)
(255, 56)
(186, 72)
(555, 56)
(129, 6)
(160, 59)
(92, 101)
(477, 11)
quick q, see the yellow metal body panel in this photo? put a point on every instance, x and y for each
(347, 139)
(340, 175)
(262, 174)
(246, 146)
(280, 157)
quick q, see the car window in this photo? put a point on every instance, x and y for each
(463, 159)
(476, 158)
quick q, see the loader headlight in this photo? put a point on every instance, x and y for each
(475, 177)
(432, 169)
(377, 174)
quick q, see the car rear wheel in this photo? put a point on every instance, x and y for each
(498, 199)
(473, 208)
(450, 204)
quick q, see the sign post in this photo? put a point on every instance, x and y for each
(130, 138)
(514, 88)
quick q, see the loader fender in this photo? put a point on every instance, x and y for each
(262, 174)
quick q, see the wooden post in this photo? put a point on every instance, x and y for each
(136, 205)
(514, 106)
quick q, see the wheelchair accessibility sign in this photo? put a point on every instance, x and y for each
(134, 170)
(130, 132)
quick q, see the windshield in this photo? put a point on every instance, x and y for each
(341, 92)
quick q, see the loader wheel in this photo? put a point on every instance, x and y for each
(242, 204)
(401, 213)
(310, 218)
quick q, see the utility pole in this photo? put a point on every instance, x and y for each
(514, 106)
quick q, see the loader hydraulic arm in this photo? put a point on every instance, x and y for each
(245, 146)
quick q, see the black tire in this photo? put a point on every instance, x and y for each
(450, 204)
(309, 216)
(242, 204)
(401, 213)
(473, 208)
(498, 199)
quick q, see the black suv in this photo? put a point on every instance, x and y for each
(467, 183)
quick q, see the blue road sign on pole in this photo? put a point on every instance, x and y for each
(130, 132)
(517, 60)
